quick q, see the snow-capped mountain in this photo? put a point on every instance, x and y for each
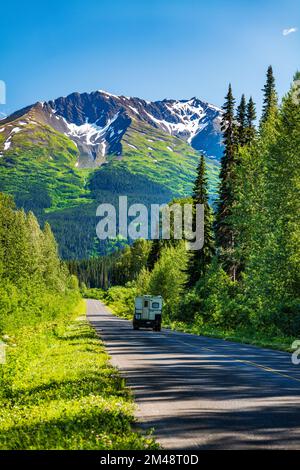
(126, 146)
(97, 122)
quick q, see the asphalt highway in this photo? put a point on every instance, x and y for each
(203, 393)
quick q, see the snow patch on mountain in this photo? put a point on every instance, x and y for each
(134, 109)
(109, 94)
(90, 133)
(96, 122)
(185, 118)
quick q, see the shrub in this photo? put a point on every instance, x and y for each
(168, 277)
(287, 318)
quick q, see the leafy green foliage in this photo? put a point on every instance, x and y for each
(39, 170)
(57, 388)
(117, 268)
(168, 277)
(259, 211)
(60, 392)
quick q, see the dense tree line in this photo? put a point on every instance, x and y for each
(248, 273)
(115, 269)
(254, 278)
(33, 280)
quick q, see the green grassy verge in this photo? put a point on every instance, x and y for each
(120, 301)
(244, 336)
(58, 391)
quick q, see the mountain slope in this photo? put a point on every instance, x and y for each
(97, 122)
(100, 120)
(62, 158)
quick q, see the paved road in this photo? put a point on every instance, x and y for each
(204, 393)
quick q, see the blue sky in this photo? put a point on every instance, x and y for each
(153, 49)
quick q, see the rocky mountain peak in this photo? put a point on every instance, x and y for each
(98, 121)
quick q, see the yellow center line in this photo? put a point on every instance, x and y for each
(267, 369)
(243, 361)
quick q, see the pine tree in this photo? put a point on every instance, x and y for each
(155, 250)
(17, 249)
(241, 118)
(200, 260)
(224, 230)
(270, 96)
(250, 118)
(35, 238)
(250, 214)
(52, 269)
(6, 223)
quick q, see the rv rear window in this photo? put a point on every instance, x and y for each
(155, 305)
(146, 303)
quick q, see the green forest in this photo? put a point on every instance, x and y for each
(245, 282)
(57, 387)
(39, 170)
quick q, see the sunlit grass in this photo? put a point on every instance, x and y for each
(59, 391)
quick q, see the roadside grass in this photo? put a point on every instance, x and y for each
(59, 391)
(120, 301)
(241, 335)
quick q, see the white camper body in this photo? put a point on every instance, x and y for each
(148, 311)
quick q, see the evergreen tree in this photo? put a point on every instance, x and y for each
(35, 239)
(250, 215)
(250, 119)
(6, 224)
(241, 118)
(52, 268)
(31, 274)
(224, 229)
(17, 249)
(154, 253)
(282, 254)
(200, 260)
(270, 96)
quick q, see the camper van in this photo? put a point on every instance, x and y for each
(147, 312)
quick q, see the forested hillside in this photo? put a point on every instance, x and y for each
(63, 158)
(57, 388)
(245, 282)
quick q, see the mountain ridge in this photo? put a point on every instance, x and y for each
(64, 157)
(96, 122)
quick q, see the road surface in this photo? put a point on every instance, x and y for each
(204, 393)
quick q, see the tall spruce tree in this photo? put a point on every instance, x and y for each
(200, 260)
(154, 253)
(35, 238)
(267, 215)
(224, 229)
(53, 271)
(250, 117)
(241, 117)
(270, 96)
